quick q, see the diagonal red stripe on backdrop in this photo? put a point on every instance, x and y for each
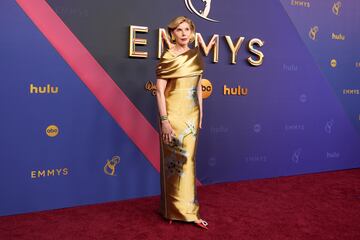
(114, 100)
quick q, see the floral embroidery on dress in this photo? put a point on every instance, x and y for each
(192, 94)
(189, 130)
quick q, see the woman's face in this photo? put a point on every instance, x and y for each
(182, 34)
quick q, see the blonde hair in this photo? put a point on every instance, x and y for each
(176, 22)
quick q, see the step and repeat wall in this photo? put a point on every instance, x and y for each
(79, 124)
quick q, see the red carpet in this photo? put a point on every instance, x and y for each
(315, 206)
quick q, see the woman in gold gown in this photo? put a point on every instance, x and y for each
(179, 99)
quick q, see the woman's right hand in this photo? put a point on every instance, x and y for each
(167, 132)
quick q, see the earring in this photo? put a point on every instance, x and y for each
(172, 37)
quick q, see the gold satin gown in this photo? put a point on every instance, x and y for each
(177, 164)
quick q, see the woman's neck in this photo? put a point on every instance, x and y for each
(180, 48)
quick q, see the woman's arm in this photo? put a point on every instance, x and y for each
(160, 96)
(199, 96)
(166, 129)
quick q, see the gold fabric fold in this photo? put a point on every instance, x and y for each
(177, 164)
(186, 64)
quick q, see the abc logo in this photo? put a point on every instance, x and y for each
(206, 88)
(52, 131)
(333, 63)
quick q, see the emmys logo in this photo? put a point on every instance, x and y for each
(313, 31)
(300, 3)
(203, 13)
(295, 158)
(256, 158)
(49, 173)
(329, 126)
(294, 127)
(336, 8)
(52, 131)
(110, 165)
(351, 91)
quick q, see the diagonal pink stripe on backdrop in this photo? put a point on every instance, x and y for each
(94, 76)
(114, 100)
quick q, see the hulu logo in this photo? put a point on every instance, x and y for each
(235, 91)
(48, 89)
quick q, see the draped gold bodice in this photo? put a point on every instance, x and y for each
(185, 64)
